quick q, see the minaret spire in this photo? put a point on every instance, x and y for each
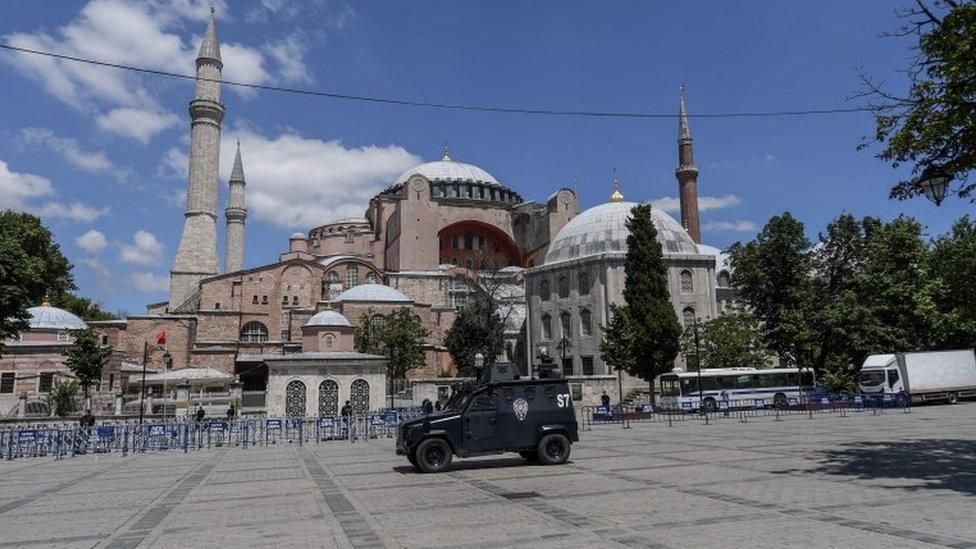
(236, 215)
(446, 157)
(616, 196)
(196, 257)
(687, 173)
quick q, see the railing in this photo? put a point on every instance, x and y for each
(127, 437)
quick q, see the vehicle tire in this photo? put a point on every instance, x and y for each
(710, 405)
(780, 401)
(553, 449)
(952, 398)
(529, 455)
(433, 455)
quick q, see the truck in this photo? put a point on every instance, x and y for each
(500, 412)
(920, 377)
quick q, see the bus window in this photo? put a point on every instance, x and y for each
(669, 387)
(689, 386)
(792, 379)
(723, 383)
(766, 381)
(743, 382)
(709, 383)
(806, 378)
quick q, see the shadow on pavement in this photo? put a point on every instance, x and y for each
(941, 463)
(473, 464)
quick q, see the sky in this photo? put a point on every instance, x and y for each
(101, 154)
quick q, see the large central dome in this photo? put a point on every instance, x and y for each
(603, 229)
(448, 170)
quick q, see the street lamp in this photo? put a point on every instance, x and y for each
(701, 399)
(934, 182)
(393, 352)
(479, 364)
(167, 365)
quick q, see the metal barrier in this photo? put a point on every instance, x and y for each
(127, 437)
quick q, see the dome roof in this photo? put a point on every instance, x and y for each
(46, 317)
(373, 292)
(602, 229)
(328, 318)
(722, 259)
(449, 170)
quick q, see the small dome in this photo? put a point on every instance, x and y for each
(449, 170)
(603, 229)
(46, 317)
(297, 235)
(328, 318)
(373, 292)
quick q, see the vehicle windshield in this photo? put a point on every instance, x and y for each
(872, 377)
(458, 399)
(669, 387)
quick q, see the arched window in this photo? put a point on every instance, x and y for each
(359, 396)
(328, 398)
(564, 286)
(544, 290)
(378, 321)
(688, 317)
(566, 323)
(254, 332)
(295, 399)
(328, 341)
(352, 276)
(586, 323)
(371, 278)
(687, 283)
(546, 326)
(584, 284)
(332, 277)
(723, 279)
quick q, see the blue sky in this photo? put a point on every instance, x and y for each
(101, 154)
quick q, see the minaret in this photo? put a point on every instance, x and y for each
(196, 258)
(616, 196)
(235, 213)
(687, 174)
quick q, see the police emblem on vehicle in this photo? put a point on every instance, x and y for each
(521, 408)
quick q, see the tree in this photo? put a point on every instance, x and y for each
(31, 267)
(616, 346)
(85, 308)
(732, 340)
(401, 332)
(653, 328)
(85, 358)
(950, 267)
(933, 123)
(771, 274)
(63, 397)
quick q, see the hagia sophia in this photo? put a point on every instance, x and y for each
(284, 329)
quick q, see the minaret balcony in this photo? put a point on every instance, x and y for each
(687, 170)
(206, 108)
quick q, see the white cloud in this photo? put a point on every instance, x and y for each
(289, 54)
(103, 277)
(148, 283)
(139, 124)
(294, 181)
(673, 204)
(92, 242)
(91, 161)
(739, 226)
(75, 211)
(146, 249)
(18, 189)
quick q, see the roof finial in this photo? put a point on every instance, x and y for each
(616, 196)
(447, 155)
(47, 301)
(684, 131)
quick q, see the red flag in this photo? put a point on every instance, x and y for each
(161, 338)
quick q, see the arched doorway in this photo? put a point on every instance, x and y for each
(359, 396)
(295, 399)
(328, 398)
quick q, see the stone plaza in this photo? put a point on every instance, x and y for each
(887, 480)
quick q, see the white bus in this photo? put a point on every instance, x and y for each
(738, 386)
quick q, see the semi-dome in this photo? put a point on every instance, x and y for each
(448, 170)
(373, 292)
(722, 260)
(47, 317)
(328, 318)
(603, 229)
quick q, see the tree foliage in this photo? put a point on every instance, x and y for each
(951, 266)
(616, 347)
(86, 357)
(478, 328)
(731, 340)
(933, 123)
(401, 332)
(62, 397)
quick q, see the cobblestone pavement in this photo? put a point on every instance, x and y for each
(893, 480)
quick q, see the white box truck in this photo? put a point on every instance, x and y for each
(936, 375)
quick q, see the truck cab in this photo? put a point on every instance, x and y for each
(531, 417)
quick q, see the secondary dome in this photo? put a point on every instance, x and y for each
(46, 317)
(373, 292)
(448, 170)
(328, 318)
(603, 229)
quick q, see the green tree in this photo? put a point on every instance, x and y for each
(401, 332)
(950, 269)
(616, 347)
(86, 358)
(732, 340)
(85, 308)
(771, 274)
(933, 123)
(477, 328)
(31, 267)
(62, 397)
(654, 331)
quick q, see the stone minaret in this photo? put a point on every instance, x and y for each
(235, 213)
(196, 258)
(687, 174)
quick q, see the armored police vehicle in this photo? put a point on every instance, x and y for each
(498, 413)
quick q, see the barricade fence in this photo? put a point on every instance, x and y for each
(741, 410)
(129, 437)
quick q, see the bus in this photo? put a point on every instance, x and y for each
(750, 387)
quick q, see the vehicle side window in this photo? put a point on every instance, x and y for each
(892, 378)
(481, 403)
(743, 382)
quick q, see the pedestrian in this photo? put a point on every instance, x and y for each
(437, 406)
(725, 399)
(87, 420)
(230, 412)
(346, 409)
(605, 399)
(200, 413)
(427, 406)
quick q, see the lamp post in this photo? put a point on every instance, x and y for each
(701, 400)
(392, 371)
(145, 359)
(479, 364)
(168, 365)
(934, 182)
(565, 345)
